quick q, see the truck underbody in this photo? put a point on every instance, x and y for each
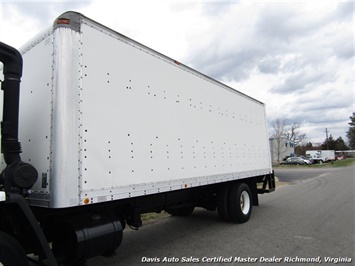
(70, 236)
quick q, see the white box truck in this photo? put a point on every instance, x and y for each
(321, 156)
(111, 129)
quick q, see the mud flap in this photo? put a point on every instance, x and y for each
(268, 184)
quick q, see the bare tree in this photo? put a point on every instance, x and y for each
(279, 126)
(292, 133)
(285, 131)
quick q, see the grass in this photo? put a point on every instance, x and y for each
(344, 163)
(341, 163)
(146, 217)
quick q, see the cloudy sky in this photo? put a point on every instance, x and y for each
(295, 56)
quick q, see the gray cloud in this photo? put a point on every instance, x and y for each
(344, 11)
(281, 22)
(217, 8)
(269, 65)
(238, 66)
(304, 80)
(279, 30)
(331, 99)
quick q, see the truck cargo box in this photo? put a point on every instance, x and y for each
(104, 117)
(321, 156)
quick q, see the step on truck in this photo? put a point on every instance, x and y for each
(111, 129)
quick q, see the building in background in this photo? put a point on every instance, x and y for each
(281, 148)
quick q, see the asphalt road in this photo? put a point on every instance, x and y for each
(312, 218)
(295, 174)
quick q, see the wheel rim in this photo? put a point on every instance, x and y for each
(245, 202)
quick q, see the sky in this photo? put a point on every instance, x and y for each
(297, 57)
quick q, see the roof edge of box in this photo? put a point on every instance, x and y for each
(69, 19)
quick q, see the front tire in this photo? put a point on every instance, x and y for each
(11, 252)
(240, 203)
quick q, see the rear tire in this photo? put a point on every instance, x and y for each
(11, 252)
(222, 203)
(240, 203)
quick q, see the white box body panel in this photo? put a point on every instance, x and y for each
(104, 118)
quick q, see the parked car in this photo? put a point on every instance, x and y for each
(293, 160)
(307, 160)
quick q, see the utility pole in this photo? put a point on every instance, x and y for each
(326, 138)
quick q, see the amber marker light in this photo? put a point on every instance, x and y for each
(63, 21)
(86, 201)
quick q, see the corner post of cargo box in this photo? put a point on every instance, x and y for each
(68, 19)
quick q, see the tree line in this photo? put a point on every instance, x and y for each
(282, 129)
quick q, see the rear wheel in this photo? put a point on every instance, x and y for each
(11, 252)
(239, 203)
